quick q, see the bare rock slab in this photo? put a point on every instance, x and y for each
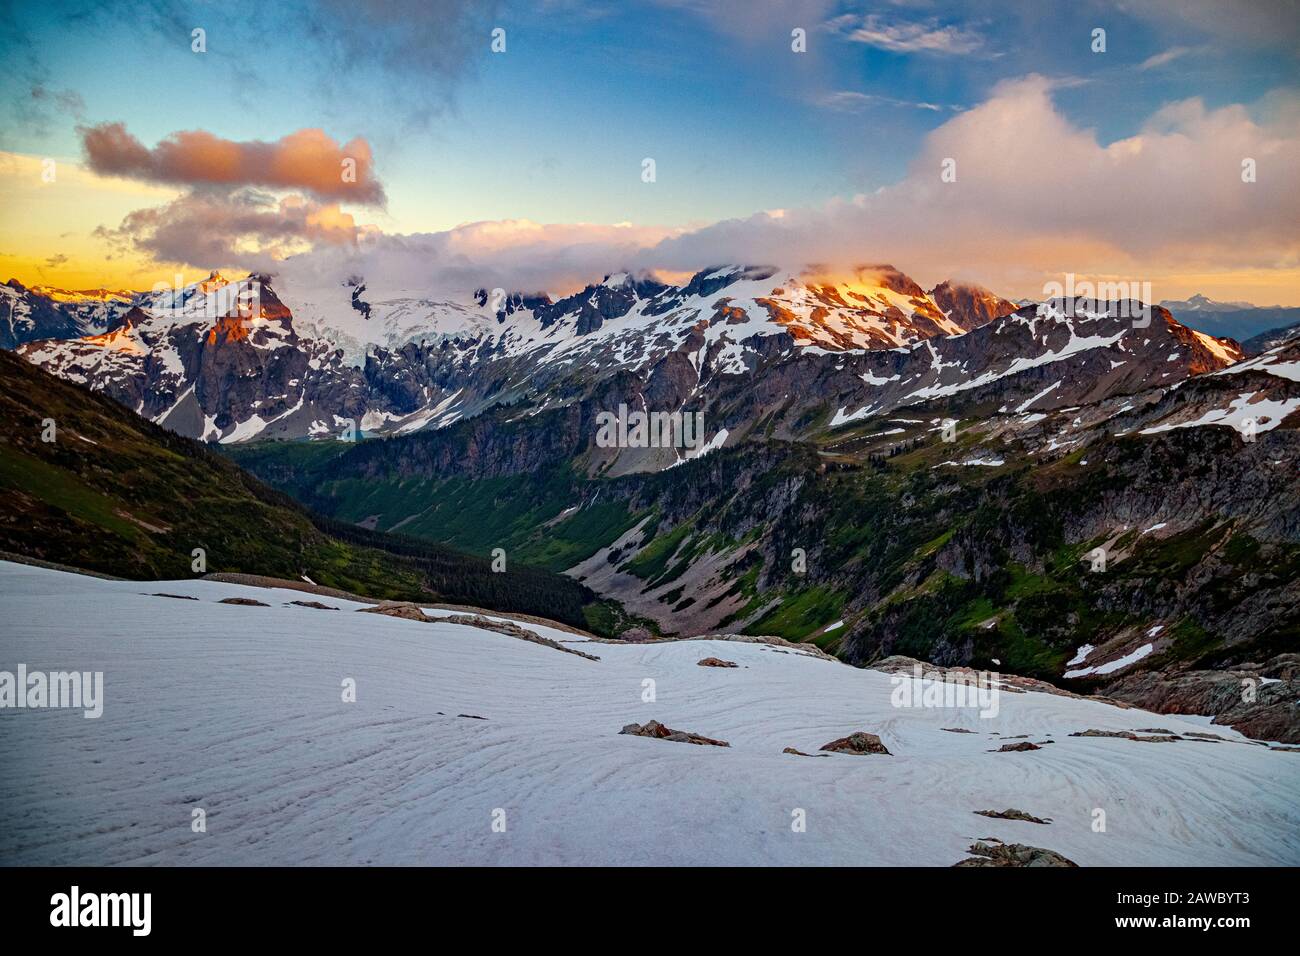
(401, 609)
(717, 662)
(1012, 814)
(652, 728)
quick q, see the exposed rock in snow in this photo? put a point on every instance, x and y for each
(1160, 738)
(800, 753)
(652, 728)
(403, 609)
(717, 662)
(413, 612)
(858, 742)
(1013, 854)
(1011, 814)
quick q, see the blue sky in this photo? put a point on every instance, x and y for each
(554, 130)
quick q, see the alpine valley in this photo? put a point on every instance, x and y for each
(1090, 493)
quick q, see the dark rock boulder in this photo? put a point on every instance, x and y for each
(857, 743)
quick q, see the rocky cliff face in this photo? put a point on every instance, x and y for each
(970, 306)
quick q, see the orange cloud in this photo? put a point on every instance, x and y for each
(307, 159)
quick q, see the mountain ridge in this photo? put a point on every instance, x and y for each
(225, 361)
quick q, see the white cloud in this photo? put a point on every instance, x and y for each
(518, 254)
(1035, 196)
(852, 101)
(907, 36)
(1035, 193)
(1162, 58)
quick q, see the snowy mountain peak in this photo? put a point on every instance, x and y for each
(234, 360)
(56, 294)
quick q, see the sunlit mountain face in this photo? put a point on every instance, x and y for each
(831, 400)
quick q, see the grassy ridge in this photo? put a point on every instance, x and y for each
(117, 494)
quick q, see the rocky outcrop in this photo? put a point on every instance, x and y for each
(970, 306)
(987, 853)
(401, 609)
(716, 662)
(510, 629)
(413, 612)
(858, 743)
(658, 731)
(1128, 735)
(1247, 699)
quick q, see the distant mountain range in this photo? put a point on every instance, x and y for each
(1201, 303)
(232, 361)
(1242, 320)
(229, 361)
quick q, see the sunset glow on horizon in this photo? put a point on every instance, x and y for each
(221, 159)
